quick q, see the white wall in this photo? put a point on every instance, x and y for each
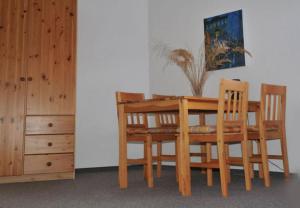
(112, 55)
(271, 33)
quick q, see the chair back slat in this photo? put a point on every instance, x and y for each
(229, 96)
(240, 105)
(166, 120)
(273, 102)
(138, 119)
(131, 117)
(275, 108)
(134, 120)
(279, 108)
(234, 110)
(269, 107)
(233, 105)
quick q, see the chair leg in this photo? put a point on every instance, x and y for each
(250, 146)
(209, 170)
(159, 152)
(123, 169)
(149, 161)
(265, 162)
(176, 161)
(227, 164)
(203, 158)
(260, 166)
(145, 158)
(179, 163)
(284, 153)
(246, 164)
(222, 166)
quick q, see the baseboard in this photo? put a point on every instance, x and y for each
(106, 168)
(37, 177)
(96, 169)
(62, 176)
(115, 168)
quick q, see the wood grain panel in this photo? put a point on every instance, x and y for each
(12, 86)
(37, 177)
(49, 144)
(36, 164)
(50, 125)
(51, 57)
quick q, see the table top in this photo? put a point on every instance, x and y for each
(172, 98)
(172, 104)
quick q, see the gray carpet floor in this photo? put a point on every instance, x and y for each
(99, 188)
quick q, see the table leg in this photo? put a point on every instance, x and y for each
(123, 178)
(250, 146)
(260, 167)
(185, 171)
(202, 122)
(176, 155)
(209, 170)
(159, 153)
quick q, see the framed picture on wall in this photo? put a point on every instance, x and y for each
(224, 41)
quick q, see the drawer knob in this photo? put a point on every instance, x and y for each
(50, 124)
(50, 144)
(49, 164)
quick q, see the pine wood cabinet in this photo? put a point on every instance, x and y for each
(37, 89)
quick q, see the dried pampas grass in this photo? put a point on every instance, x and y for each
(193, 68)
(196, 69)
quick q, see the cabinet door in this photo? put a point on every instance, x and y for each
(50, 53)
(12, 87)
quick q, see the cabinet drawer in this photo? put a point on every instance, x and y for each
(45, 144)
(34, 164)
(50, 124)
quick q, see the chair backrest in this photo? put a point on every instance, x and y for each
(273, 104)
(134, 120)
(166, 120)
(233, 106)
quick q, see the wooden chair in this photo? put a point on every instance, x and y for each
(165, 131)
(231, 128)
(271, 127)
(137, 131)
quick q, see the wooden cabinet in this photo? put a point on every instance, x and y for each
(50, 57)
(55, 163)
(37, 89)
(50, 125)
(12, 88)
(47, 144)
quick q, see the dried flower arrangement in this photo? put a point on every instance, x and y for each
(196, 69)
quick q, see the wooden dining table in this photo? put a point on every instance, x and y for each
(184, 105)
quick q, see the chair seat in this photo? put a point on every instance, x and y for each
(252, 129)
(256, 129)
(211, 129)
(207, 129)
(163, 130)
(157, 130)
(137, 131)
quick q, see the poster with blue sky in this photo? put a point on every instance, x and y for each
(224, 41)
